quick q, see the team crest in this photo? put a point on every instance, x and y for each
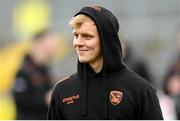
(115, 97)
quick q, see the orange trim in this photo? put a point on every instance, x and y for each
(70, 99)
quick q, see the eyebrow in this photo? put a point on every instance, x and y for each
(84, 34)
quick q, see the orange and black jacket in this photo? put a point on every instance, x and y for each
(114, 93)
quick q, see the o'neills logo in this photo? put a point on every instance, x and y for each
(70, 99)
(115, 97)
(97, 7)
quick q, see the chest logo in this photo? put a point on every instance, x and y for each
(115, 97)
(70, 99)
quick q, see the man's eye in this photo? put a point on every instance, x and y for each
(88, 37)
(76, 36)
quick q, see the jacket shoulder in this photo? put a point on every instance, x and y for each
(66, 82)
(133, 80)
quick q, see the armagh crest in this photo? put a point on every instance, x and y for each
(115, 97)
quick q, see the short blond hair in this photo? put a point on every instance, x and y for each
(78, 20)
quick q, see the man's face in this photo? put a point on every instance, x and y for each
(86, 42)
(45, 49)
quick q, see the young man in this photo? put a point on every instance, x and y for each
(103, 87)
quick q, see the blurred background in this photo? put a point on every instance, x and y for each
(35, 39)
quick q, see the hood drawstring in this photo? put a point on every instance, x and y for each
(105, 87)
(85, 92)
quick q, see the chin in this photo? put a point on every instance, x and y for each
(83, 60)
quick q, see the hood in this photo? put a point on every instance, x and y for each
(108, 27)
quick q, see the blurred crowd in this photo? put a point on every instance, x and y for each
(26, 79)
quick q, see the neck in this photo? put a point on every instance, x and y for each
(97, 66)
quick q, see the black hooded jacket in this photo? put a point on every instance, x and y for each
(114, 93)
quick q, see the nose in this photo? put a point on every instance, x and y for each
(77, 41)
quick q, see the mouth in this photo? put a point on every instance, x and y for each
(82, 51)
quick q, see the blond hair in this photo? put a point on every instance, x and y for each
(77, 21)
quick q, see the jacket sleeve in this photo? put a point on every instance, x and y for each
(151, 109)
(54, 111)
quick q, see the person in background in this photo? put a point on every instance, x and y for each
(171, 88)
(31, 90)
(135, 63)
(103, 87)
